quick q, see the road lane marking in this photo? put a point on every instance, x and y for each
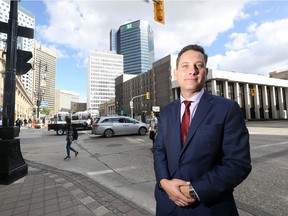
(269, 145)
(111, 171)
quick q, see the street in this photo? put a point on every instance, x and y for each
(265, 191)
(124, 164)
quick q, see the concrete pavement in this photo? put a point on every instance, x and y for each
(63, 188)
(49, 191)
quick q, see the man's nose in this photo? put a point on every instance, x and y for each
(194, 70)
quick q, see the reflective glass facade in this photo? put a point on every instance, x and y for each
(135, 41)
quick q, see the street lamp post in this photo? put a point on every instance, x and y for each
(131, 103)
(40, 93)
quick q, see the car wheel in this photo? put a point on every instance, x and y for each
(60, 131)
(108, 133)
(142, 131)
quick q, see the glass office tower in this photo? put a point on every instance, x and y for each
(135, 41)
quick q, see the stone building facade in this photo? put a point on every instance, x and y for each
(260, 97)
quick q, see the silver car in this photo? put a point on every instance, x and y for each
(109, 126)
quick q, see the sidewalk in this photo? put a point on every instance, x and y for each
(82, 186)
(48, 191)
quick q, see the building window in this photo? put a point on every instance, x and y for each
(219, 88)
(231, 93)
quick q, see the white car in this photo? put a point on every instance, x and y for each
(109, 126)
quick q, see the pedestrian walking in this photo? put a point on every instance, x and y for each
(18, 123)
(71, 133)
(153, 123)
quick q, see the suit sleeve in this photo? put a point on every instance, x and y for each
(235, 164)
(159, 153)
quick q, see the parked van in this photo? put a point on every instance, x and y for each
(109, 126)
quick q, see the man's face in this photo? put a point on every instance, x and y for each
(191, 72)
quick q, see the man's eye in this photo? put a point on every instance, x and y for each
(199, 66)
(185, 66)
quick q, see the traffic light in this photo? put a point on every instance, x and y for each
(22, 67)
(148, 95)
(159, 11)
(38, 103)
(253, 91)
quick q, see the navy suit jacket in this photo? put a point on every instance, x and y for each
(215, 157)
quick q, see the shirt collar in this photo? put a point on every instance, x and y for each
(196, 98)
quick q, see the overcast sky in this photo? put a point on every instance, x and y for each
(242, 36)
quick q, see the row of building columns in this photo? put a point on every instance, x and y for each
(247, 103)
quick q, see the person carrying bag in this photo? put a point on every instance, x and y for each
(71, 136)
(153, 126)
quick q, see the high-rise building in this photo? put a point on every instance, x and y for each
(44, 77)
(102, 69)
(113, 40)
(135, 41)
(26, 19)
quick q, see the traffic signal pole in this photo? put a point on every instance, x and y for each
(10, 73)
(131, 101)
(12, 164)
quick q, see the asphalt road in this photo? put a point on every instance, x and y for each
(125, 165)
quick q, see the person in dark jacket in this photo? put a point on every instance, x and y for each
(69, 139)
(18, 122)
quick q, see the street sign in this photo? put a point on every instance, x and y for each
(156, 108)
(131, 104)
(43, 105)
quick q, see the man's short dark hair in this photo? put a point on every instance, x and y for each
(193, 47)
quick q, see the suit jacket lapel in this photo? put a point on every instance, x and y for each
(175, 137)
(203, 107)
(177, 122)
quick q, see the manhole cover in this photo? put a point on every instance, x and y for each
(114, 145)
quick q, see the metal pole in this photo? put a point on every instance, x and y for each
(10, 74)
(38, 97)
(131, 106)
(131, 102)
(12, 164)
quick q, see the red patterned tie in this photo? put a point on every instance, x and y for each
(185, 121)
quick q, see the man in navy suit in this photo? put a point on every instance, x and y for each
(196, 175)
